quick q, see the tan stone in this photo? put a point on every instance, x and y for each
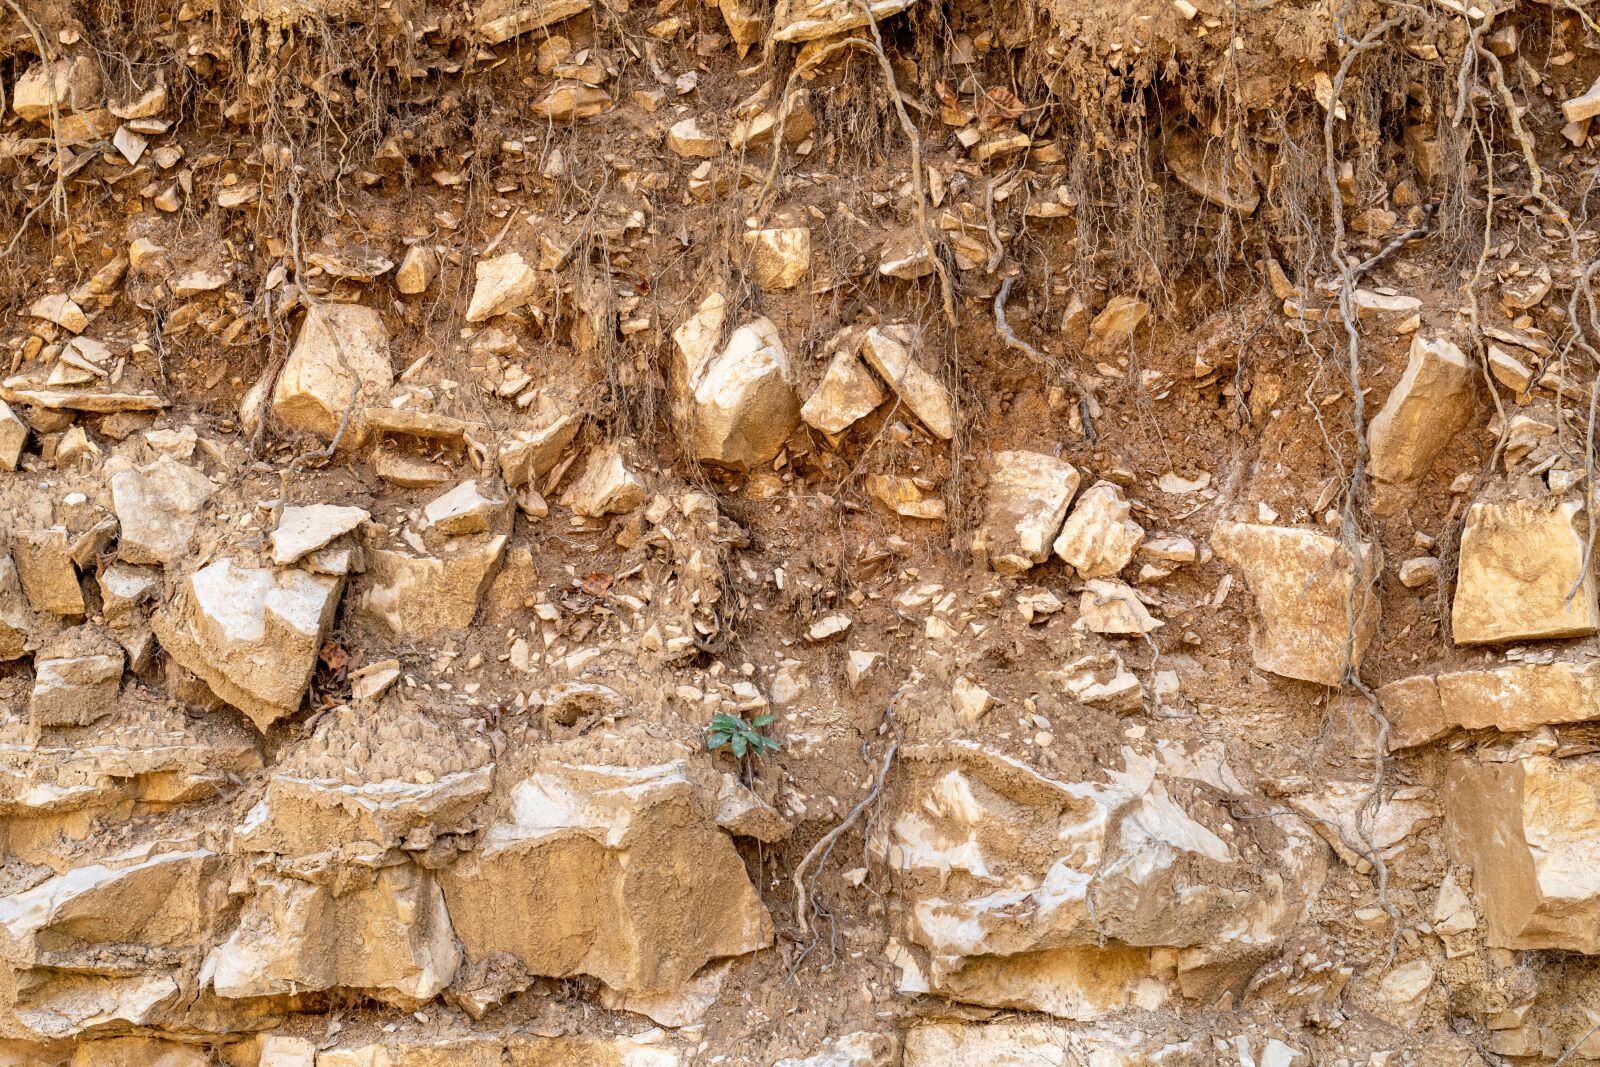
(64, 86)
(531, 453)
(340, 360)
(616, 873)
(418, 268)
(570, 101)
(76, 676)
(305, 529)
(744, 19)
(905, 255)
(501, 284)
(466, 509)
(847, 393)
(422, 595)
(1518, 563)
(44, 563)
(860, 1049)
(1512, 698)
(139, 1052)
(283, 1050)
(1112, 607)
(500, 20)
(782, 256)
(60, 309)
(407, 471)
(905, 497)
(808, 20)
(1431, 403)
(1027, 499)
(16, 614)
(390, 939)
(1530, 829)
(743, 814)
(890, 350)
(158, 507)
(251, 633)
(1099, 537)
(607, 486)
(1307, 589)
(738, 399)
(689, 141)
(1117, 321)
(13, 435)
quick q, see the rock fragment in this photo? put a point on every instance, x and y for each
(738, 399)
(890, 350)
(13, 435)
(1026, 501)
(781, 256)
(304, 529)
(808, 20)
(1511, 698)
(418, 268)
(689, 141)
(847, 393)
(607, 486)
(158, 506)
(1431, 403)
(77, 675)
(498, 21)
(503, 283)
(64, 86)
(340, 362)
(1518, 562)
(1112, 607)
(16, 614)
(1306, 588)
(424, 595)
(44, 563)
(743, 814)
(1099, 537)
(466, 509)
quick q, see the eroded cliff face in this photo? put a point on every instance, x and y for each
(1133, 461)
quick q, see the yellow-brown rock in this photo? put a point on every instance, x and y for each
(340, 360)
(1431, 403)
(1518, 563)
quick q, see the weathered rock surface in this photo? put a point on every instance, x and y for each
(16, 614)
(1027, 499)
(739, 398)
(44, 563)
(892, 352)
(503, 284)
(616, 873)
(1529, 829)
(302, 530)
(425, 594)
(1431, 403)
(1315, 610)
(1516, 697)
(847, 394)
(13, 435)
(251, 633)
(158, 506)
(1517, 565)
(607, 486)
(1099, 536)
(76, 678)
(340, 362)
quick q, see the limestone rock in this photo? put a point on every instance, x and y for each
(1431, 403)
(1099, 537)
(863, 1048)
(60, 309)
(782, 256)
(1112, 607)
(689, 141)
(251, 633)
(158, 506)
(808, 20)
(1518, 561)
(890, 350)
(616, 873)
(1515, 697)
(531, 453)
(1528, 828)
(340, 360)
(305, 529)
(739, 398)
(16, 614)
(466, 510)
(390, 939)
(76, 677)
(568, 101)
(905, 497)
(44, 563)
(65, 85)
(1117, 321)
(13, 435)
(282, 1050)
(1306, 588)
(743, 814)
(607, 486)
(418, 268)
(502, 284)
(139, 1052)
(500, 20)
(905, 255)
(423, 595)
(1035, 1044)
(847, 393)
(1027, 498)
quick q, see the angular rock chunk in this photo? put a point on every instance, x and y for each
(782, 256)
(607, 486)
(500, 20)
(689, 141)
(76, 678)
(616, 873)
(422, 595)
(1033, 1044)
(1529, 828)
(846, 394)
(158, 507)
(1099, 537)
(66, 85)
(1112, 607)
(1431, 403)
(1306, 589)
(13, 435)
(889, 350)
(502, 284)
(860, 1049)
(340, 360)
(390, 939)
(1027, 499)
(738, 399)
(465, 510)
(16, 615)
(44, 563)
(305, 529)
(251, 633)
(1516, 697)
(807, 20)
(530, 454)
(1518, 562)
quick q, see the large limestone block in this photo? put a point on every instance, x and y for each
(617, 873)
(1027, 499)
(158, 507)
(1518, 562)
(892, 352)
(808, 20)
(16, 614)
(1100, 536)
(1315, 610)
(1516, 697)
(738, 398)
(340, 360)
(1530, 828)
(417, 596)
(251, 633)
(390, 939)
(1035, 1044)
(1431, 403)
(44, 563)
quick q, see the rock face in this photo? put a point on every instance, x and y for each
(1529, 829)
(425, 594)
(1431, 403)
(616, 873)
(739, 398)
(251, 633)
(340, 360)
(1028, 497)
(76, 678)
(1518, 563)
(1515, 697)
(1315, 609)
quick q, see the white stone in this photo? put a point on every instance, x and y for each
(1027, 498)
(502, 284)
(340, 362)
(304, 529)
(1099, 537)
(607, 486)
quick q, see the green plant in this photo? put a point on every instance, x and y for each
(744, 738)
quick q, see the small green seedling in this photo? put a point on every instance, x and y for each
(745, 738)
